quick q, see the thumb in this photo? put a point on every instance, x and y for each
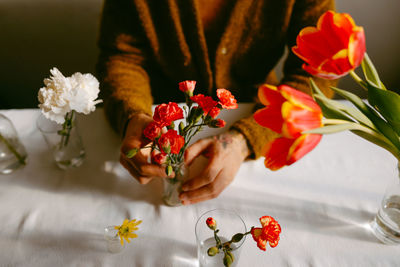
(196, 149)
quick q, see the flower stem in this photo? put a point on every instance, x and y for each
(358, 79)
(12, 149)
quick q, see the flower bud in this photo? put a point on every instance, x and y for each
(212, 251)
(181, 128)
(211, 223)
(168, 170)
(228, 258)
(218, 123)
(131, 153)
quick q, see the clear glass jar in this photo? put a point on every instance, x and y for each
(12, 153)
(173, 186)
(68, 151)
(386, 225)
(229, 224)
(113, 241)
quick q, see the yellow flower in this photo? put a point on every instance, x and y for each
(126, 230)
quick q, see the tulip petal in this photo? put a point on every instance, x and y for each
(302, 146)
(276, 153)
(357, 47)
(299, 98)
(297, 120)
(268, 94)
(322, 74)
(270, 117)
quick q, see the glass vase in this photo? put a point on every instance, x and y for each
(68, 151)
(172, 187)
(386, 224)
(113, 241)
(12, 152)
(229, 224)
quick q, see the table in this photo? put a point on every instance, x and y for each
(324, 202)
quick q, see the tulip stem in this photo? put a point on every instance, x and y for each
(358, 79)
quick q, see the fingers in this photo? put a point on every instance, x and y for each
(209, 191)
(132, 170)
(196, 149)
(207, 176)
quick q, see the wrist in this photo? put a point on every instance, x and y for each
(241, 140)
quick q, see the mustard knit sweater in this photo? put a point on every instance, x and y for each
(149, 46)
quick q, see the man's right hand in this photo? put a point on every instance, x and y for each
(139, 166)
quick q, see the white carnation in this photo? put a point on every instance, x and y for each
(52, 97)
(85, 89)
(64, 94)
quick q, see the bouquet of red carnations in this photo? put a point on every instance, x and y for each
(169, 141)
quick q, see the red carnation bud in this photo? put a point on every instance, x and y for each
(187, 87)
(218, 123)
(211, 223)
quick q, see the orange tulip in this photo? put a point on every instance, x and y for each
(286, 151)
(288, 111)
(333, 48)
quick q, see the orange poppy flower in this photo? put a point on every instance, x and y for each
(333, 48)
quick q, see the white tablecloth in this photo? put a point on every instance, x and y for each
(324, 203)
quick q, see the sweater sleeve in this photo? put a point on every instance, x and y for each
(305, 13)
(125, 85)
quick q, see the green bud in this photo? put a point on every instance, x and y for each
(181, 128)
(236, 238)
(212, 251)
(171, 126)
(228, 258)
(131, 153)
(231, 255)
(168, 170)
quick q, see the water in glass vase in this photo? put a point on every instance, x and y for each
(388, 220)
(8, 159)
(217, 260)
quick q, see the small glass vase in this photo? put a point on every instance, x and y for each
(386, 224)
(68, 151)
(229, 224)
(172, 187)
(113, 241)
(12, 152)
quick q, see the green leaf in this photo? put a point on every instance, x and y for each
(334, 128)
(387, 103)
(336, 110)
(379, 142)
(379, 123)
(370, 72)
(131, 153)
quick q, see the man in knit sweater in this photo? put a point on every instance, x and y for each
(149, 46)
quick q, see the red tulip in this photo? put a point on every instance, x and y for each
(288, 111)
(286, 151)
(333, 48)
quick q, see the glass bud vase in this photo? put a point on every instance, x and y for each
(68, 150)
(12, 152)
(113, 241)
(386, 225)
(173, 186)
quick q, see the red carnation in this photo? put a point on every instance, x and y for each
(269, 232)
(171, 142)
(158, 158)
(152, 130)
(214, 112)
(226, 99)
(167, 113)
(205, 102)
(187, 87)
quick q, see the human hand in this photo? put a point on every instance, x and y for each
(138, 166)
(226, 152)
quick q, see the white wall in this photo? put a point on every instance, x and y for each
(39, 34)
